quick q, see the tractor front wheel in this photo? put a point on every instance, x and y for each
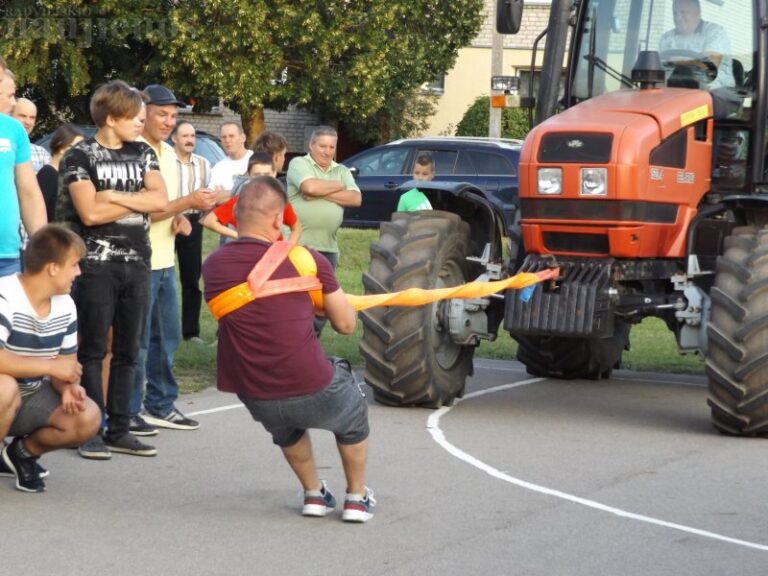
(410, 358)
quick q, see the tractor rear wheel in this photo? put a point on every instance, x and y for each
(569, 358)
(737, 334)
(410, 358)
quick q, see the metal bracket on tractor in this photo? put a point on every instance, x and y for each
(580, 305)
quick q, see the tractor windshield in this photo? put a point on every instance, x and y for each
(706, 44)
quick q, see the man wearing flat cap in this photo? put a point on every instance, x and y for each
(154, 385)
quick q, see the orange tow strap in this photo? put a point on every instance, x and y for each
(258, 285)
(421, 296)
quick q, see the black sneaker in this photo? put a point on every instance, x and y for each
(95, 449)
(139, 427)
(174, 421)
(129, 444)
(27, 478)
(8, 473)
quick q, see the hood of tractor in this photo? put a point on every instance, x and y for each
(618, 175)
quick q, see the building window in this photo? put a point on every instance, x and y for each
(436, 86)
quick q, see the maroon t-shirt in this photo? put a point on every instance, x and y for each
(267, 348)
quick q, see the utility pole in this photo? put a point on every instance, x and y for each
(497, 69)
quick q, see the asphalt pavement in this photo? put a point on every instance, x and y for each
(524, 476)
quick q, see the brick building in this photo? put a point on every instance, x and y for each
(295, 124)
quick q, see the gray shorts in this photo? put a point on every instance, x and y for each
(36, 410)
(340, 408)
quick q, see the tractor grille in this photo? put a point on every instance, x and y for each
(580, 306)
(574, 147)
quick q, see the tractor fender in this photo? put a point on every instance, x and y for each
(485, 215)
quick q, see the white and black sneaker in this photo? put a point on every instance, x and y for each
(27, 477)
(139, 427)
(174, 421)
(6, 471)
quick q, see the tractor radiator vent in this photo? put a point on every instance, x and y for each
(576, 243)
(578, 306)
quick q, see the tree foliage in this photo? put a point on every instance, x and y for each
(514, 121)
(61, 50)
(402, 115)
(346, 59)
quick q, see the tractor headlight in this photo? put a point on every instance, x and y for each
(550, 180)
(594, 182)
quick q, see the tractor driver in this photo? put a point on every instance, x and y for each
(699, 54)
(693, 39)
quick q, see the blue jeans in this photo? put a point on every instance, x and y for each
(159, 342)
(9, 266)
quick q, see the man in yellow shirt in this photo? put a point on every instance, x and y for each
(162, 331)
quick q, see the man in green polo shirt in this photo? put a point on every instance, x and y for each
(318, 190)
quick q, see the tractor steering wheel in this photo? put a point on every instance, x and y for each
(696, 61)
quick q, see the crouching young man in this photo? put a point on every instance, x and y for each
(41, 401)
(270, 357)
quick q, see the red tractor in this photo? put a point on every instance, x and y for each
(644, 180)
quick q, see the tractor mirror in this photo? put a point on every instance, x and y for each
(509, 15)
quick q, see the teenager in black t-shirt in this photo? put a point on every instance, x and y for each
(110, 185)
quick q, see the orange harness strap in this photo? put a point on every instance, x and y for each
(258, 284)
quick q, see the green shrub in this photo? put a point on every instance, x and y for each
(514, 121)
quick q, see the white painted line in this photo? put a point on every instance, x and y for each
(433, 425)
(214, 410)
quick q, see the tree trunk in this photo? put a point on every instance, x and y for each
(385, 128)
(253, 124)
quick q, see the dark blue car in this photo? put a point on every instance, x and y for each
(489, 164)
(207, 145)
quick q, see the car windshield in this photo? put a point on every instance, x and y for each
(702, 44)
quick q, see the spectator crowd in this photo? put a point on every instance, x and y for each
(91, 236)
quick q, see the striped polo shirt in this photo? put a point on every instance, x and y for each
(24, 332)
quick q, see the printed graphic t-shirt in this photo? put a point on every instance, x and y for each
(122, 170)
